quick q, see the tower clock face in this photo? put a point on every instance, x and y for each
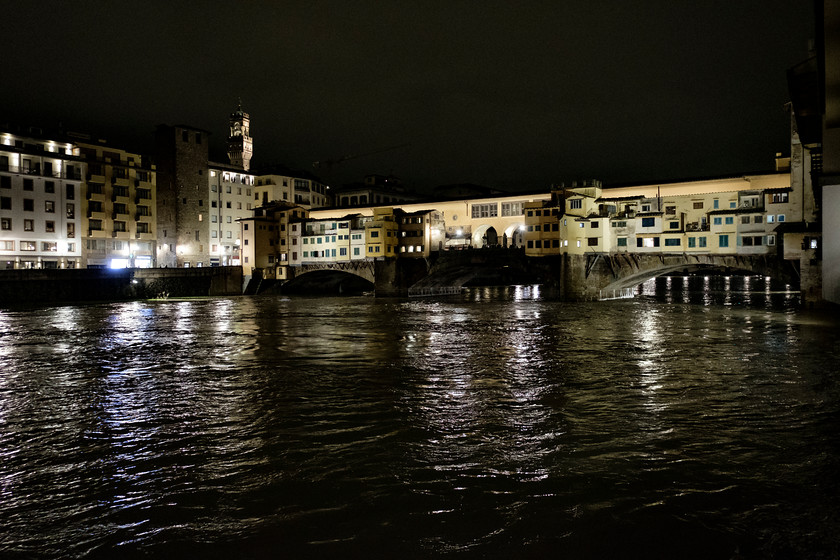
(237, 130)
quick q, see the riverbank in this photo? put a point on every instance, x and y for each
(90, 284)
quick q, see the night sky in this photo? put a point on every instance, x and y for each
(509, 95)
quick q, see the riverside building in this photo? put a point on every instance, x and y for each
(40, 201)
(199, 201)
(119, 213)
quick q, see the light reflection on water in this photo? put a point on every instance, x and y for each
(495, 424)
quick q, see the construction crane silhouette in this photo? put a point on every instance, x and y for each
(328, 163)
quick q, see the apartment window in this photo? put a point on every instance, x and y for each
(648, 222)
(185, 136)
(5, 203)
(723, 241)
(228, 204)
(47, 246)
(698, 205)
(619, 224)
(674, 225)
(593, 224)
(71, 230)
(49, 187)
(144, 194)
(28, 246)
(142, 227)
(779, 198)
(71, 192)
(780, 218)
(49, 226)
(95, 225)
(733, 204)
(701, 241)
(7, 245)
(692, 242)
(5, 182)
(28, 205)
(745, 219)
(28, 184)
(71, 211)
(758, 219)
(214, 234)
(119, 226)
(717, 221)
(729, 220)
(670, 210)
(576, 203)
(5, 224)
(28, 225)
(621, 242)
(771, 218)
(592, 241)
(672, 242)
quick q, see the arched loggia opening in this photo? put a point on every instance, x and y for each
(514, 236)
(485, 236)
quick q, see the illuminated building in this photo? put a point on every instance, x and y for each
(119, 223)
(40, 201)
(281, 184)
(240, 144)
(381, 234)
(199, 201)
(271, 239)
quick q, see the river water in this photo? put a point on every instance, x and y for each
(697, 420)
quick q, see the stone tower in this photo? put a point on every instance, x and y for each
(240, 144)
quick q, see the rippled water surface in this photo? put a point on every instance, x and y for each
(498, 424)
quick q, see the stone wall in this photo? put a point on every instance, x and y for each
(87, 284)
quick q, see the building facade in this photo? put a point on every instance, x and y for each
(40, 201)
(119, 220)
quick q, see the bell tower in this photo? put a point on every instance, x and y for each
(240, 144)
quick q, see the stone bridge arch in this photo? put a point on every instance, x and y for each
(607, 274)
(362, 269)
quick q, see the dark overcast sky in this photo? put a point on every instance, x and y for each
(505, 94)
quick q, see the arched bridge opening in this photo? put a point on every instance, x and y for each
(327, 281)
(616, 275)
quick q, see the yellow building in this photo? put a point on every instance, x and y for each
(381, 234)
(271, 240)
(119, 219)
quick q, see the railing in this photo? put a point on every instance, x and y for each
(37, 171)
(621, 293)
(435, 291)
